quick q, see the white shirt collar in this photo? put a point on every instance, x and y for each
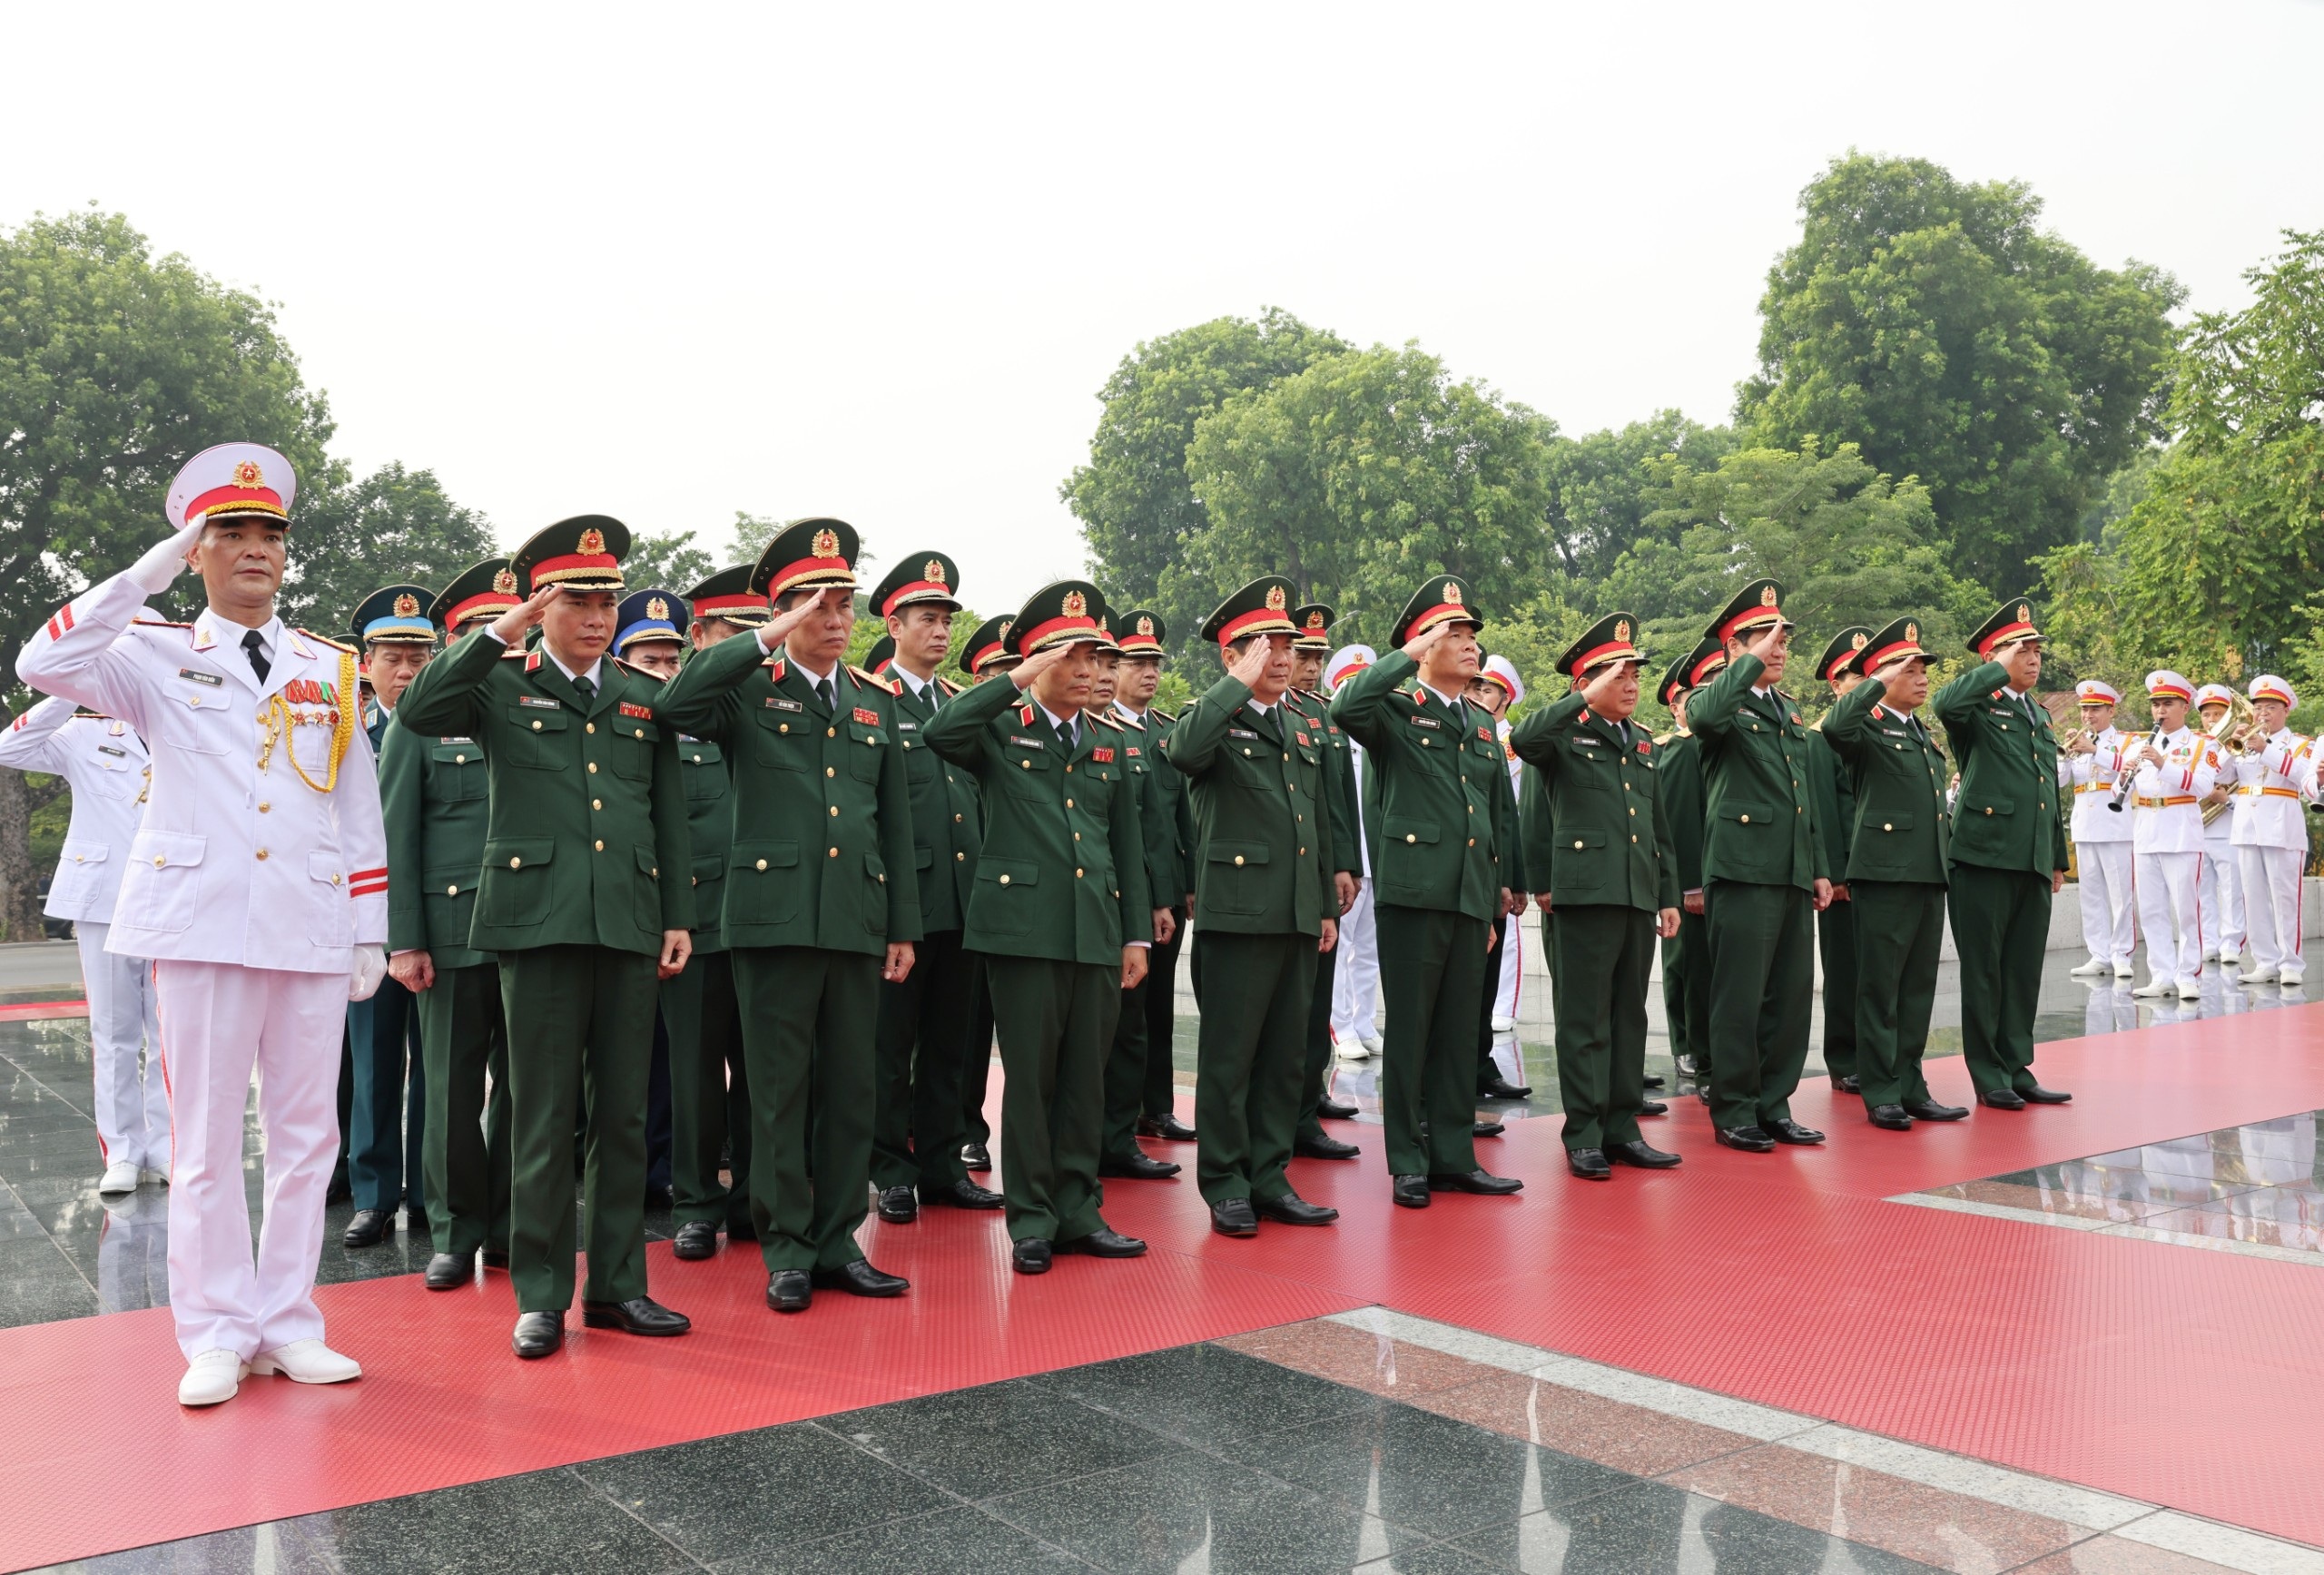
(592, 673)
(225, 631)
(1135, 718)
(814, 680)
(1056, 721)
(1447, 701)
(1763, 690)
(918, 686)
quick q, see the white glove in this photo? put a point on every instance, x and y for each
(370, 968)
(163, 562)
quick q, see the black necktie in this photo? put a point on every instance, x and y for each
(929, 692)
(829, 696)
(256, 646)
(589, 691)
(1065, 735)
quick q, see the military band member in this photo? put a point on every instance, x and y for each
(1896, 871)
(1609, 878)
(2172, 770)
(1836, 824)
(1498, 687)
(1355, 965)
(1061, 913)
(1265, 888)
(1766, 872)
(984, 656)
(2008, 852)
(1679, 785)
(257, 883)
(2101, 838)
(2222, 897)
(1309, 647)
(586, 896)
(2269, 832)
(1441, 790)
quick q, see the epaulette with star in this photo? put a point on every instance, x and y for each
(1102, 720)
(632, 668)
(326, 640)
(865, 676)
(1661, 739)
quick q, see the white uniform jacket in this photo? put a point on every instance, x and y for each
(104, 761)
(2269, 810)
(2094, 776)
(244, 857)
(2167, 796)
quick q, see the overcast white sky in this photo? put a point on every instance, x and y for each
(669, 262)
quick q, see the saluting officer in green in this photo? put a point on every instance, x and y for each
(1835, 825)
(434, 794)
(1309, 647)
(1765, 872)
(1439, 788)
(822, 901)
(1263, 887)
(1679, 785)
(1134, 708)
(1896, 870)
(585, 897)
(1611, 874)
(2008, 853)
(985, 656)
(1059, 912)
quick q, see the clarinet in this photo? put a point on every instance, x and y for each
(2123, 787)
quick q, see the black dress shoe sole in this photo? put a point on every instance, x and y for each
(2046, 1097)
(878, 1293)
(451, 1284)
(1990, 1103)
(1222, 1227)
(534, 1352)
(1081, 1246)
(1460, 1183)
(1404, 1200)
(791, 1304)
(1740, 1145)
(897, 1217)
(1588, 1173)
(1798, 1142)
(1894, 1124)
(691, 1254)
(947, 1200)
(1029, 1266)
(1320, 1215)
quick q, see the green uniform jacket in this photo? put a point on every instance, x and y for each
(1339, 781)
(1162, 810)
(1256, 872)
(710, 824)
(1439, 788)
(1834, 802)
(947, 824)
(433, 796)
(586, 837)
(2010, 815)
(823, 817)
(1901, 831)
(1062, 874)
(1609, 842)
(1679, 788)
(1759, 783)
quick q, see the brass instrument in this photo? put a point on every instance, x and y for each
(2229, 733)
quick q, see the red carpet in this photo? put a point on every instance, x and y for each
(2179, 1376)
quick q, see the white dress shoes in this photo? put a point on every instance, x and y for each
(306, 1362)
(120, 1176)
(2093, 969)
(1352, 1050)
(211, 1378)
(2155, 986)
(2259, 976)
(2190, 991)
(1504, 1025)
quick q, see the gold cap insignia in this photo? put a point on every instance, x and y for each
(505, 581)
(1767, 596)
(593, 541)
(656, 607)
(1913, 633)
(1315, 620)
(1452, 594)
(1622, 630)
(825, 545)
(248, 474)
(1146, 626)
(1275, 598)
(933, 571)
(1074, 604)
(1860, 641)
(407, 605)
(1005, 624)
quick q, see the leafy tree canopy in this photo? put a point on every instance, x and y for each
(1598, 485)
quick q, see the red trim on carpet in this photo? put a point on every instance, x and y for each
(28, 1011)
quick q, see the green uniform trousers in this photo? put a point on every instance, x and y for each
(1317, 1067)
(1497, 938)
(710, 1093)
(809, 1014)
(1161, 999)
(1056, 1021)
(579, 1018)
(1125, 1075)
(388, 1118)
(1836, 944)
(1762, 990)
(1431, 966)
(464, 1152)
(976, 1071)
(1899, 926)
(1685, 990)
(1600, 957)
(2001, 931)
(923, 1054)
(1250, 1058)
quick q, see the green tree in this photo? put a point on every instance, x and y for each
(672, 560)
(1601, 485)
(750, 536)
(1933, 324)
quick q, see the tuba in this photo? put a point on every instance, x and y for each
(2229, 733)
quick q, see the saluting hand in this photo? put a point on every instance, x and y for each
(1421, 643)
(1034, 665)
(777, 629)
(511, 625)
(1763, 645)
(1251, 664)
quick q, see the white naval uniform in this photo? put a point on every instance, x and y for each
(104, 761)
(1356, 978)
(2102, 844)
(2270, 841)
(2168, 827)
(250, 888)
(1513, 935)
(2222, 894)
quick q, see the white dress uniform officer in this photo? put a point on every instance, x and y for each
(2270, 832)
(2222, 894)
(257, 883)
(1355, 982)
(2101, 838)
(102, 759)
(2172, 769)
(1501, 671)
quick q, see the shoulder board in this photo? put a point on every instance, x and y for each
(1104, 721)
(157, 624)
(1663, 738)
(948, 687)
(634, 670)
(1817, 725)
(338, 646)
(885, 685)
(1165, 715)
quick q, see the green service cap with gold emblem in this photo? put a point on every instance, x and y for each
(1140, 633)
(727, 594)
(987, 650)
(394, 615)
(1445, 599)
(1755, 607)
(817, 554)
(1064, 613)
(1901, 639)
(580, 554)
(1105, 639)
(1607, 640)
(1313, 620)
(649, 614)
(1261, 608)
(2012, 620)
(919, 577)
(484, 590)
(1693, 670)
(883, 651)
(1839, 654)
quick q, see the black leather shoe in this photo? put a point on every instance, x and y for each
(1589, 1164)
(1326, 1147)
(860, 1279)
(1499, 1088)
(898, 1206)
(1487, 1129)
(1102, 1242)
(1030, 1256)
(1930, 1110)
(2038, 1094)
(1409, 1191)
(638, 1315)
(369, 1227)
(1652, 1108)
(448, 1272)
(1333, 1110)
(1234, 1217)
(976, 1156)
(1144, 1167)
(1483, 1183)
(790, 1291)
(496, 1257)
(1702, 1093)
(1293, 1209)
(1891, 1118)
(1850, 1085)
(1685, 1064)
(2002, 1099)
(1789, 1131)
(962, 1195)
(659, 1197)
(1642, 1154)
(538, 1335)
(1750, 1139)
(1655, 1080)
(1166, 1126)
(697, 1239)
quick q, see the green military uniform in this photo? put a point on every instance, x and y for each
(1263, 885)
(1686, 956)
(1611, 867)
(1060, 889)
(1314, 622)
(586, 862)
(1836, 940)
(985, 655)
(1895, 871)
(1761, 859)
(2009, 842)
(1437, 813)
(1491, 1085)
(817, 889)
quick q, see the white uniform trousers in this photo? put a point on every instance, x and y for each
(2171, 905)
(2222, 894)
(1512, 966)
(133, 1100)
(2272, 892)
(219, 1021)
(2109, 905)
(1356, 978)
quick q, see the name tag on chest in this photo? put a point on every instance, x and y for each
(777, 702)
(1240, 732)
(112, 749)
(1426, 722)
(1024, 742)
(191, 676)
(540, 701)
